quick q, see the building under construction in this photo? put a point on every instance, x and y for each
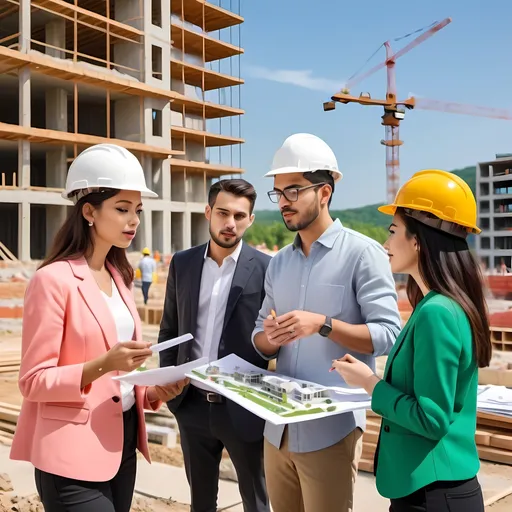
(494, 196)
(159, 77)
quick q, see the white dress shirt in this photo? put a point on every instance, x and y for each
(213, 298)
(125, 327)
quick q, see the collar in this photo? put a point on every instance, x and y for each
(327, 238)
(234, 255)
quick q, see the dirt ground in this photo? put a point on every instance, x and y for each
(504, 505)
(139, 504)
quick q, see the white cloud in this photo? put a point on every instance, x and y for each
(299, 78)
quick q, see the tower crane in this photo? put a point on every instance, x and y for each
(394, 110)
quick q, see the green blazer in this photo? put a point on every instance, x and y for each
(427, 400)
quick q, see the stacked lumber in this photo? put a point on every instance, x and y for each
(9, 362)
(493, 439)
(370, 439)
(150, 315)
(9, 414)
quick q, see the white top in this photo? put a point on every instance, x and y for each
(125, 326)
(213, 298)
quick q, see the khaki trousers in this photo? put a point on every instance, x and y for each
(320, 481)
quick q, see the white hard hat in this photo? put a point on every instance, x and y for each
(303, 152)
(105, 166)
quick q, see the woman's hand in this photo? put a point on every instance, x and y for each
(127, 356)
(355, 373)
(166, 392)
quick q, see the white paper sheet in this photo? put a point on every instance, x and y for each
(171, 343)
(160, 376)
(495, 400)
(276, 408)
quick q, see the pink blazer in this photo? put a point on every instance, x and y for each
(62, 429)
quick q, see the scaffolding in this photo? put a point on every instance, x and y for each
(159, 77)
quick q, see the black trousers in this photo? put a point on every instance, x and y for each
(61, 494)
(457, 496)
(205, 429)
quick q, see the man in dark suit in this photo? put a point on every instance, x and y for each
(214, 291)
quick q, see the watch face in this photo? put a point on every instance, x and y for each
(325, 330)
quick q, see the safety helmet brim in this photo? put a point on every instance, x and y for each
(336, 175)
(390, 209)
(143, 192)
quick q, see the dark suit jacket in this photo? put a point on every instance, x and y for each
(244, 302)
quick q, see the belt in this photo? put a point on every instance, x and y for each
(209, 396)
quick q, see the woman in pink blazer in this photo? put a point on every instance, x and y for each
(78, 427)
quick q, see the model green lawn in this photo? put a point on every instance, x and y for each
(266, 400)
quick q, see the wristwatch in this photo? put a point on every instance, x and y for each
(326, 329)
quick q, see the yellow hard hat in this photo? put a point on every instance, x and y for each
(441, 194)
(146, 251)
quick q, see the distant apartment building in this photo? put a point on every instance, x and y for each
(159, 77)
(494, 198)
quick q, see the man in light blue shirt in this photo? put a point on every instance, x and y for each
(333, 293)
(147, 267)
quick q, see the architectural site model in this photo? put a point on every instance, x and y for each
(274, 397)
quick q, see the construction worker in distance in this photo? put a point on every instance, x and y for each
(333, 293)
(78, 426)
(427, 459)
(147, 268)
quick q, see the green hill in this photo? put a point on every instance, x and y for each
(468, 174)
(363, 215)
(269, 228)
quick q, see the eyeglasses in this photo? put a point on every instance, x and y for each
(291, 194)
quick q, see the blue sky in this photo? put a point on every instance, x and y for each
(316, 45)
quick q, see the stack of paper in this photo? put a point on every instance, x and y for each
(495, 400)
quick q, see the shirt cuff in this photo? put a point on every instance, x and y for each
(379, 338)
(261, 354)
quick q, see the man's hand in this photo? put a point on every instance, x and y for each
(292, 326)
(167, 392)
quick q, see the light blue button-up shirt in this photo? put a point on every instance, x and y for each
(346, 276)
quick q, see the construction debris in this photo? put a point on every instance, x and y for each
(13, 503)
(5, 483)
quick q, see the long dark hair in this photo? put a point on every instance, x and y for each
(447, 266)
(74, 240)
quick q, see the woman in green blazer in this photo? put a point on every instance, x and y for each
(426, 459)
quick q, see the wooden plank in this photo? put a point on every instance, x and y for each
(9, 369)
(501, 441)
(493, 499)
(366, 465)
(6, 440)
(14, 407)
(495, 455)
(7, 426)
(8, 252)
(483, 438)
(370, 437)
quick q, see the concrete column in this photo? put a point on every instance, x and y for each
(56, 167)
(55, 217)
(187, 230)
(145, 230)
(24, 117)
(24, 231)
(25, 26)
(23, 164)
(55, 34)
(166, 179)
(166, 226)
(147, 165)
(57, 109)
